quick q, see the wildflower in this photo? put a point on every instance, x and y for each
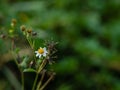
(41, 52)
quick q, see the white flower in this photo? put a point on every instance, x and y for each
(41, 52)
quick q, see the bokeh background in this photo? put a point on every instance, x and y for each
(88, 32)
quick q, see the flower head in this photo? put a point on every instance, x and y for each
(41, 52)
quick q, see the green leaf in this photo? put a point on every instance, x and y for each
(29, 70)
(23, 65)
(26, 59)
(17, 50)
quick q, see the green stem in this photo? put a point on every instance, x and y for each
(31, 45)
(15, 60)
(12, 51)
(35, 81)
(37, 74)
(42, 66)
(30, 42)
(46, 83)
(42, 77)
(22, 76)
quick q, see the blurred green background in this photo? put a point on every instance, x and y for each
(88, 32)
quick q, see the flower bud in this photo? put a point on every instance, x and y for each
(13, 22)
(23, 28)
(29, 31)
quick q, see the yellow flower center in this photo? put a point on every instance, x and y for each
(41, 51)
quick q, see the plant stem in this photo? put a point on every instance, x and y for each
(30, 42)
(15, 60)
(42, 66)
(42, 77)
(36, 77)
(35, 81)
(46, 83)
(22, 76)
(37, 74)
(32, 46)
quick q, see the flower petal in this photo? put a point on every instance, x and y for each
(45, 51)
(36, 51)
(44, 54)
(39, 55)
(44, 48)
